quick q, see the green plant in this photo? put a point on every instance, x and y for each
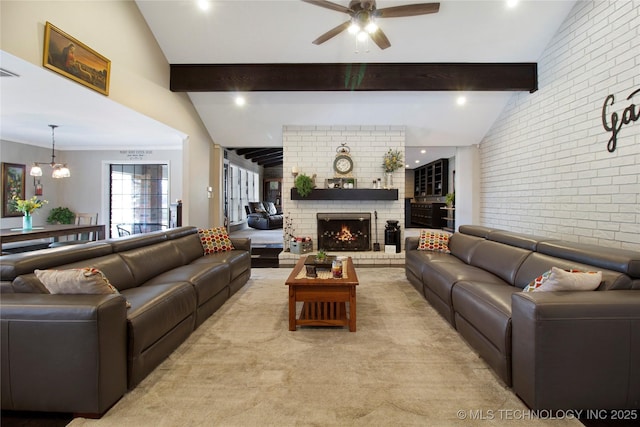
(304, 185)
(61, 215)
(321, 254)
(27, 206)
(450, 199)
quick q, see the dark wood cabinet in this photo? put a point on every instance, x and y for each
(432, 179)
(427, 215)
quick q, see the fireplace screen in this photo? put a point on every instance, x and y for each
(344, 231)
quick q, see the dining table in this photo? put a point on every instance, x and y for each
(9, 235)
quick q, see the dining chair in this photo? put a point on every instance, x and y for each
(122, 231)
(74, 239)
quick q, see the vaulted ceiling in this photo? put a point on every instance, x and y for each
(281, 32)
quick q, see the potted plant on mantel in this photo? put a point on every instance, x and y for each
(61, 215)
(304, 185)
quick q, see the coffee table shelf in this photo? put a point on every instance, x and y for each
(324, 301)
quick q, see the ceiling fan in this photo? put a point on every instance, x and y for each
(364, 14)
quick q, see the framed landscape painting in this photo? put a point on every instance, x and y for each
(73, 59)
(12, 185)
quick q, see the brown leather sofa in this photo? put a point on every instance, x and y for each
(557, 350)
(81, 353)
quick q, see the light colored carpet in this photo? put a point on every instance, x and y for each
(405, 366)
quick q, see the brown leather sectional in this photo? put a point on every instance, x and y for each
(81, 353)
(557, 350)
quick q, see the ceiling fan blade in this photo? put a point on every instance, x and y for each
(332, 33)
(380, 39)
(329, 5)
(408, 10)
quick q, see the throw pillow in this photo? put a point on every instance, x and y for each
(434, 241)
(76, 281)
(558, 279)
(215, 240)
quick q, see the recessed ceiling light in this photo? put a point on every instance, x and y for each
(461, 100)
(406, 166)
(423, 151)
(417, 161)
(204, 4)
(240, 101)
(512, 3)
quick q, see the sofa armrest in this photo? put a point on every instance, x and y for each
(577, 350)
(411, 243)
(242, 243)
(63, 353)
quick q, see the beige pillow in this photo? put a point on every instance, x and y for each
(76, 281)
(562, 280)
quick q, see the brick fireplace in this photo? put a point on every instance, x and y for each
(312, 149)
(344, 231)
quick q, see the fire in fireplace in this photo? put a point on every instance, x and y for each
(344, 231)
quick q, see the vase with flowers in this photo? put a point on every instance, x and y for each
(392, 162)
(27, 207)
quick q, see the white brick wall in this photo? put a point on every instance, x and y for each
(545, 168)
(312, 150)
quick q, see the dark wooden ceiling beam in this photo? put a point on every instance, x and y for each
(255, 151)
(355, 77)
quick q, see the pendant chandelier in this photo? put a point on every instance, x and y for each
(59, 170)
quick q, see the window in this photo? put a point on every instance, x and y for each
(139, 198)
(244, 187)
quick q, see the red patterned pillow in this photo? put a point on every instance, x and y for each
(434, 241)
(215, 240)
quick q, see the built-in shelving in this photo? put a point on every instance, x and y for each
(432, 179)
(347, 194)
(450, 218)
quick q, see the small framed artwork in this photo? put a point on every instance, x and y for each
(12, 185)
(73, 59)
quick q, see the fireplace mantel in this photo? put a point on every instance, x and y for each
(347, 194)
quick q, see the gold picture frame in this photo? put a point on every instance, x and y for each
(12, 186)
(73, 59)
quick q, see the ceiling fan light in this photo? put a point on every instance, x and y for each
(36, 170)
(362, 36)
(354, 28)
(371, 27)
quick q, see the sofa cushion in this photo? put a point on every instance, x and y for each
(189, 247)
(434, 241)
(558, 279)
(500, 259)
(239, 261)
(148, 261)
(155, 310)
(207, 279)
(215, 240)
(440, 277)
(486, 310)
(462, 246)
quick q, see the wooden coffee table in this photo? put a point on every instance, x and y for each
(324, 300)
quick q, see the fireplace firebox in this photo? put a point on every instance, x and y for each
(344, 231)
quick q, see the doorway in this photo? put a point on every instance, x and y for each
(138, 198)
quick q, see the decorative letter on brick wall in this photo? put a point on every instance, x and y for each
(615, 123)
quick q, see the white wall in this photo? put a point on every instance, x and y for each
(545, 165)
(312, 149)
(139, 76)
